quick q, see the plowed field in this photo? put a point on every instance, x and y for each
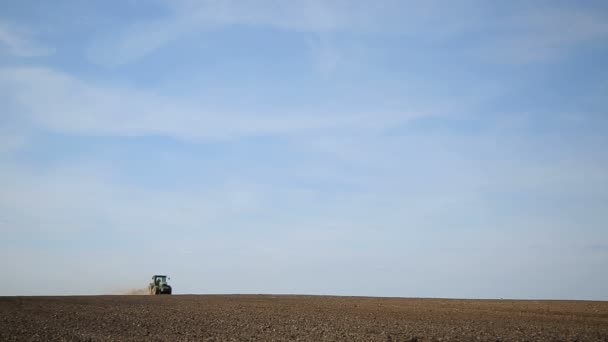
(296, 318)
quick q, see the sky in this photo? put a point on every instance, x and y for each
(454, 149)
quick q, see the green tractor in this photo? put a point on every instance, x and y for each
(159, 285)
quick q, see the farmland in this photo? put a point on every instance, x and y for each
(296, 318)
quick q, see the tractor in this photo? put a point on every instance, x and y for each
(159, 285)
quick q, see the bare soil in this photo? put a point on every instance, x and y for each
(296, 318)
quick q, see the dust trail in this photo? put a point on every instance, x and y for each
(127, 291)
(136, 292)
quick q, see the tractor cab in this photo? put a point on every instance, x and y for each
(159, 285)
(159, 279)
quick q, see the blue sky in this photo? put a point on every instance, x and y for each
(386, 148)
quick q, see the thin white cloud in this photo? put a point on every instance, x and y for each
(546, 34)
(334, 15)
(327, 55)
(87, 196)
(136, 41)
(18, 43)
(520, 35)
(11, 141)
(431, 19)
(58, 102)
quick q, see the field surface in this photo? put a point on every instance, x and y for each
(296, 318)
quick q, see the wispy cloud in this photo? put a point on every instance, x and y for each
(87, 197)
(429, 20)
(58, 102)
(11, 141)
(546, 34)
(519, 35)
(18, 42)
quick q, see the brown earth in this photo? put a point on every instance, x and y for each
(296, 318)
